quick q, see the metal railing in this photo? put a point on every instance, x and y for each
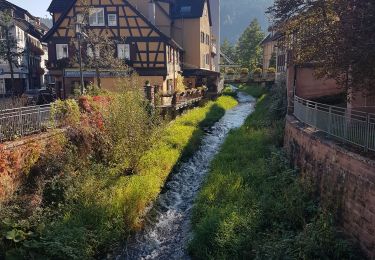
(24, 121)
(349, 125)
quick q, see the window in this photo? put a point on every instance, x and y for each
(97, 17)
(62, 51)
(90, 53)
(207, 39)
(112, 19)
(202, 37)
(207, 59)
(123, 51)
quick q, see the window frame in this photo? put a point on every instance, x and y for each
(202, 37)
(126, 53)
(95, 11)
(115, 20)
(62, 46)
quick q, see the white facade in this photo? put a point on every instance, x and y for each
(215, 17)
(28, 67)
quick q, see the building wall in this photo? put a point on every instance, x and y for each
(307, 86)
(342, 178)
(268, 50)
(187, 33)
(362, 100)
(206, 28)
(216, 19)
(162, 21)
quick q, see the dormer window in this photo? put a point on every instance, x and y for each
(97, 17)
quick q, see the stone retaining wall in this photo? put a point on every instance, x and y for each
(343, 178)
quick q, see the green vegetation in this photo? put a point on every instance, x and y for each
(254, 206)
(256, 91)
(91, 187)
(229, 92)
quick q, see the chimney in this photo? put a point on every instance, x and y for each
(152, 11)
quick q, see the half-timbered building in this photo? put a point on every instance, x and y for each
(163, 38)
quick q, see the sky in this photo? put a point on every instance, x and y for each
(35, 7)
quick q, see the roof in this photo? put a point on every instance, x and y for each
(189, 9)
(59, 6)
(6, 4)
(71, 4)
(271, 38)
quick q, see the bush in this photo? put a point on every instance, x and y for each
(180, 84)
(258, 71)
(245, 71)
(230, 71)
(271, 70)
(65, 112)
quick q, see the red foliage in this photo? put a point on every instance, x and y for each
(92, 108)
(15, 163)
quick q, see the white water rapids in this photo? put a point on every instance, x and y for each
(167, 229)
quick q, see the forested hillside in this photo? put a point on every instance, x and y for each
(236, 15)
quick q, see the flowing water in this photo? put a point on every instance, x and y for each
(167, 228)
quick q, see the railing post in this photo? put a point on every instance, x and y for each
(39, 119)
(368, 128)
(20, 122)
(330, 120)
(316, 115)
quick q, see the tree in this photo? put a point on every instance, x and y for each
(249, 51)
(8, 45)
(229, 50)
(337, 36)
(100, 47)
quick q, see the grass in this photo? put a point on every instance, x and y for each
(254, 90)
(254, 206)
(94, 208)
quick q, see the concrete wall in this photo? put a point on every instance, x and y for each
(343, 178)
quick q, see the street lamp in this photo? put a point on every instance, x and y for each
(79, 35)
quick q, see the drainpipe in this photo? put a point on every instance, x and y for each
(152, 11)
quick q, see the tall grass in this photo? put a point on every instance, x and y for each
(87, 206)
(254, 206)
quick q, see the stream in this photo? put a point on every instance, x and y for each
(167, 226)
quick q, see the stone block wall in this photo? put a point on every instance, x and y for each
(344, 179)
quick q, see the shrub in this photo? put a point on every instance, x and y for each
(245, 71)
(271, 70)
(258, 71)
(230, 71)
(65, 112)
(180, 84)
